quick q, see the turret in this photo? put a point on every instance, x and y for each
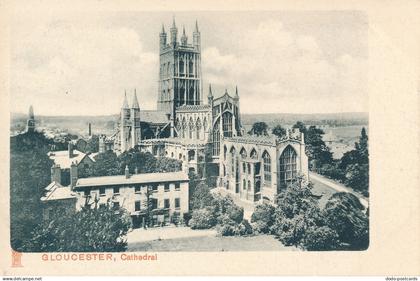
(125, 110)
(184, 38)
(135, 121)
(196, 37)
(210, 96)
(236, 97)
(162, 38)
(174, 32)
(30, 124)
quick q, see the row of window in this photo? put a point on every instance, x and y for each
(137, 189)
(155, 203)
(288, 163)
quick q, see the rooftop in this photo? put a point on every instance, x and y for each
(203, 107)
(62, 157)
(175, 141)
(133, 179)
(56, 191)
(153, 116)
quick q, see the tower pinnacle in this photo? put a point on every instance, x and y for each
(125, 103)
(135, 101)
(196, 27)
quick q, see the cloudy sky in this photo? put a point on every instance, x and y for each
(282, 62)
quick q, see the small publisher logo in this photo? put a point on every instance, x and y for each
(16, 259)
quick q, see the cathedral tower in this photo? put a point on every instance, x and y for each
(130, 128)
(180, 70)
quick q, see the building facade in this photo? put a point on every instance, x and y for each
(207, 137)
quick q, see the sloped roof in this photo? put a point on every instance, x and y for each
(153, 116)
(62, 157)
(56, 191)
(133, 179)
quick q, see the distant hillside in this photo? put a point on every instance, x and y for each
(106, 123)
(287, 119)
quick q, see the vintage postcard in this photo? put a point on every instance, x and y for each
(200, 139)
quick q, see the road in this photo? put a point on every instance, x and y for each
(338, 187)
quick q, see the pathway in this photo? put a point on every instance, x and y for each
(338, 187)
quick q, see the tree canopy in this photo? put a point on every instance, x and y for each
(259, 129)
(29, 175)
(279, 131)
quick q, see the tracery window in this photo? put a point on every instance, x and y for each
(267, 167)
(227, 124)
(288, 166)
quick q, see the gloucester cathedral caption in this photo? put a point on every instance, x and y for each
(206, 135)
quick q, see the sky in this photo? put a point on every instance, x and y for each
(281, 62)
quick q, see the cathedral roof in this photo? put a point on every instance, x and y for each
(193, 107)
(153, 116)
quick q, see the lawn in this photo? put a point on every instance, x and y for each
(212, 244)
(322, 190)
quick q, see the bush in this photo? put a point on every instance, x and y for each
(344, 214)
(229, 227)
(262, 218)
(320, 239)
(202, 219)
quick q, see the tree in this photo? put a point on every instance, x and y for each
(296, 211)
(301, 126)
(259, 129)
(355, 165)
(262, 217)
(106, 164)
(201, 196)
(345, 215)
(29, 175)
(92, 229)
(316, 149)
(279, 131)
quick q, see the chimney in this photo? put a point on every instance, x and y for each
(56, 173)
(73, 174)
(127, 172)
(71, 155)
(136, 170)
(90, 129)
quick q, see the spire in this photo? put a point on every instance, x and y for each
(125, 103)
(210, 92)
(196, 27)
(173, 22)
(135, 101)
(184, 37)
(163, 29)
(31, 112)
(236, 92)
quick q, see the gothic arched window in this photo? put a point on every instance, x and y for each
(288, 166)
(227, 124)
(184, 127)
(198, 128)
(232, 159)
(181, 66)
(249, 185)
(244, 184)
(243, 153)
(267, 167)
(191, 128)
(191, 95)
(216, 138)
(191, 68)
(205, 124)
(254, 154)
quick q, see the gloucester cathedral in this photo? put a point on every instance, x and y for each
(205, 133)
